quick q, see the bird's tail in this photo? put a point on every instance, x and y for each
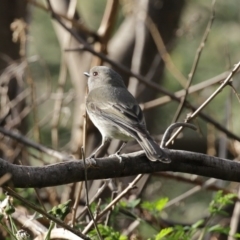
(152, 149)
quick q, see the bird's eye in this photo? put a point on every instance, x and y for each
(95, 73)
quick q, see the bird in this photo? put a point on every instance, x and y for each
(117, 114)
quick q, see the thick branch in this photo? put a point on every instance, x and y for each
(111, 167)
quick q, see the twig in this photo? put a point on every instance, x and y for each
(58, 103)
(235, 92)
(79, 186)
(21, 115)
(195, 63)
(58, 233)
(20, 97)
(214, 94)
(112, 203)
(195, 88)
(33, 95)
(105, 29)
(98, 193)
(131, 227)
(73, 21)
(39, 210)
(113, 195)
(62, 79)
(34, 145)
(39, 199)
(163, 52)
(86, 193)
(170, 129)
(19, 28)
(140, 41)
(234, 223)
(190, 192)
(153, 85)
(195, 181)
(5, 178)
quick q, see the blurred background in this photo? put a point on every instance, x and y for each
(43, 91)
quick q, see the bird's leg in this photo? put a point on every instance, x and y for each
(104, 141)
(121, 148)
(119, 151)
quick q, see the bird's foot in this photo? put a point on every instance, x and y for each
(117, 156)
(91, 160)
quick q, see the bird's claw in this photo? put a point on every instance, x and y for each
(92, 161)
(117, 156)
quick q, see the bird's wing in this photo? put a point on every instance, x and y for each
(128, 117)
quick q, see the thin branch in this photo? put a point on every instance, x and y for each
(213, 95)
(140, 42)
(113, 195)
(195, 181)
(108, 21)
(86, 194)
(79, 186)
(105, 29)
(190, 192)
(195, 88)
(98, 193)
(58, 233)
(112, 203)
(39, 210)
(163, 52)
(195, 62)
(234, 223)
(62, 78)
(77, 24)
(5, 178)
(170, 130)
(143, 80)
(22, 139)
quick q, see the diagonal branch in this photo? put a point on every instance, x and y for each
(85, 46)
(213, 95)
(195, 63)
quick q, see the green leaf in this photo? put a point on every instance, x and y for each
(220, 201)
(123, 237)
(107, 233)
(60, 211)
(163, 233)
(147, 205)
(219, 229)
(197, 224)
(236, 235)
(130, 204)
(161, 203)
(155, 205)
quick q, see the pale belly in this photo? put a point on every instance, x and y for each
(108, 130)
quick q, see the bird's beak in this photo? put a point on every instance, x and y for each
(86, 74)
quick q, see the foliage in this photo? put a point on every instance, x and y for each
(220, 201)
(61, 210)
(201, 227)
(107, 233)
(175, 232)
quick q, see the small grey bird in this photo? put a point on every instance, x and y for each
(116, 113)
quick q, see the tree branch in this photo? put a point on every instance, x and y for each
(111, 167)
(85, 46)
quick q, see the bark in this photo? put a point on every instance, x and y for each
(111, 167)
